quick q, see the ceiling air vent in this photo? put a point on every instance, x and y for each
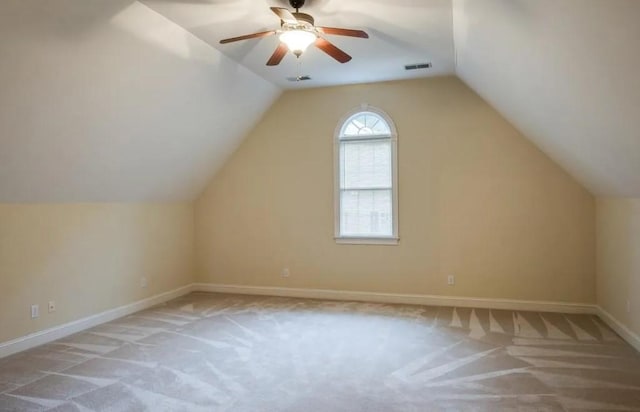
(299, 78)
(417, 66)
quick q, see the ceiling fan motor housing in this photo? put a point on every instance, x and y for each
(304, 17)
(296, 4)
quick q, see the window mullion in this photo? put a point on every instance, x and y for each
(346, 189)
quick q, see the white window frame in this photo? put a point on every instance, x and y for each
(366, 240)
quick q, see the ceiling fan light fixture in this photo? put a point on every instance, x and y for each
(298, 40)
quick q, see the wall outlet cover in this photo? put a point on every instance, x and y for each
(35, 311)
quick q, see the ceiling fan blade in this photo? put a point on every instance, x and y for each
(248, 36)
(285, 15)
(343, 32)
(332, 50)
(278, 55)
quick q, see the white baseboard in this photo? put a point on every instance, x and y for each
(57, 332)
(428, 300)
(627, 334)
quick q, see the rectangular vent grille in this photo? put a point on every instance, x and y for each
(299, 78)
(417, 66)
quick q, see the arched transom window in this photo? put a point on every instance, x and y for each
(366, 178)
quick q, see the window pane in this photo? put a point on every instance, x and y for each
(365, 164)
(366, 213)
(366, 124)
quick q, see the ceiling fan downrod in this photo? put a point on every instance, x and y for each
(296, 4)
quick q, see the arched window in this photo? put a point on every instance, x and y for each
(366, 182)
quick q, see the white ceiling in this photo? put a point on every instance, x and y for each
(566, 73)
(115, 100)
(109, 101)
(401, 32)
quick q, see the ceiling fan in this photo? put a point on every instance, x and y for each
(297, 32)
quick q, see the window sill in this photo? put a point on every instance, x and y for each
(346, 240)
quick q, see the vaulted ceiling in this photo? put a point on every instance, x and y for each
(401, 32)
(123, 100)
(108, 101)
(565, 72)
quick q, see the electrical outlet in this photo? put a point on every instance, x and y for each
(451, 280)
(628, 306)
(143, 282)
(35, 311)
(52, 306)
(285, 273)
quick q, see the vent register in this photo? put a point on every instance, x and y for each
(417, 66)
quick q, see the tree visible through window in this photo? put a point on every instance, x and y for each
(366, 197)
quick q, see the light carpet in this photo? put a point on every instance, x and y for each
(214, 352)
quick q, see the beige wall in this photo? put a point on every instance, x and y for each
(618, 260)
(88, 258)
(477, 200)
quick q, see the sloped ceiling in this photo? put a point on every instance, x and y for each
(110, 101)
(566, 73)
